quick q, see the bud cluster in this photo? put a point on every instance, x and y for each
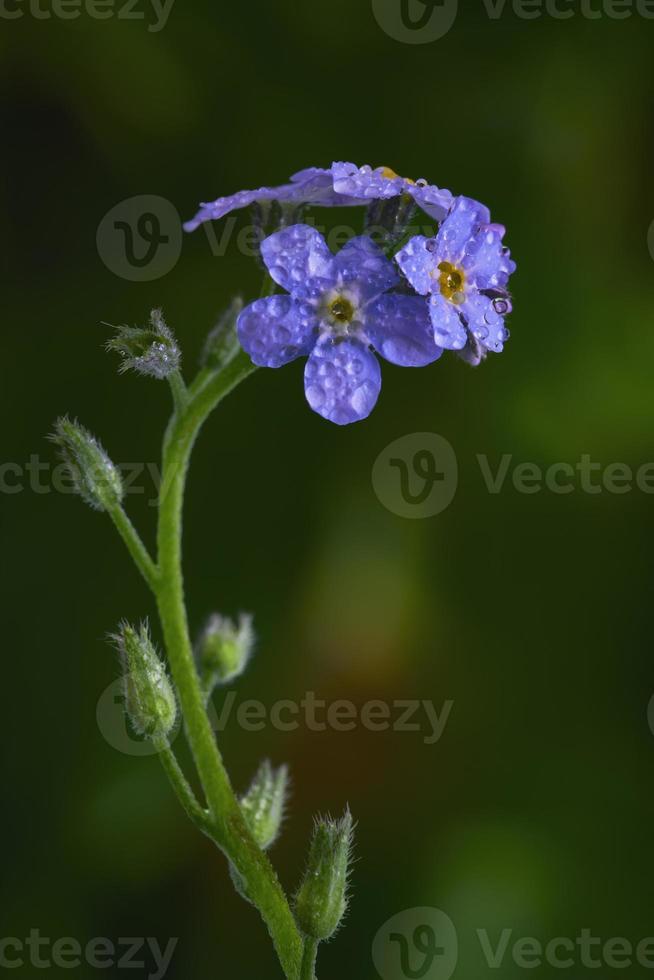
(152, 350)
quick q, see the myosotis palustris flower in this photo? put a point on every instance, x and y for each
(406, 302)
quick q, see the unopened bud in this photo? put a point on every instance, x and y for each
(94, 476)
(149, 697)
(388, 220)
(223, 650)
(271, 216)
(152, 350)
(222, 343)
(264, 803)
(263, 810)
(321, 901)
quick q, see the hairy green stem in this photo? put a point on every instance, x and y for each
(135, 546)
(178, 388)
(231, 831)
(200, 817)
(309, 956)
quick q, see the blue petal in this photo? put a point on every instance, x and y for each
(399, 328)
(418, 260)
(485, 324)
(459, 227)
(449, 329)
(298, 259)
(363, 263)
(242, 199)
(487, 263)
(316, 187)
(433, 201)
(313, 186)
(342, 380)
(276, 330)
(312, 174)
(366, 183)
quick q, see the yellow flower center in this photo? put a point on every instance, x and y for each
(389, 174)
(341, 310)
(452, 282)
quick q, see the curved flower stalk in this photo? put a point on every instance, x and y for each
(406, 302)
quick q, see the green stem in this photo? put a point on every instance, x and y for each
(232, 833)
(135, 546)
(309, 956)
(200, 817)
(178, 388)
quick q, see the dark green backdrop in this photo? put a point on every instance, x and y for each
(529, 611)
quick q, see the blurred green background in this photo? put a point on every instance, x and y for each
(530, 612)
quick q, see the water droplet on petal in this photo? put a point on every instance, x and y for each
(502, 306)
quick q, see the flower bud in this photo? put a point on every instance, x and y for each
(223, 650)
(271, 216)
(95, 478)
(388, 220)
(263, 808)
(264, 803)
(151, 350)
(222, 343)
(149, 697)
(321, 901)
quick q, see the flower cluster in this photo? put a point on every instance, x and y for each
(446, 292)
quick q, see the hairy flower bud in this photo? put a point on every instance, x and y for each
(94, 476)
(321, 901)
(263, 808)
(222, 343)
(264, 803)
(152, 351)
(223, 650)
(149, 697)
